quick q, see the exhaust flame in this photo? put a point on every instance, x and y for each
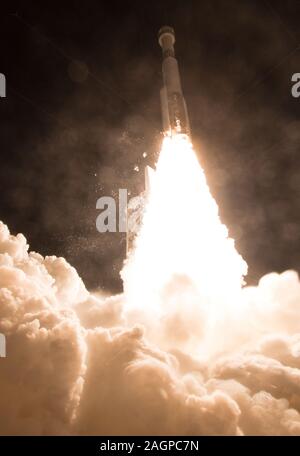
(77, 365)
(182, 246)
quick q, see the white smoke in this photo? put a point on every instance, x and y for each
(75, 365)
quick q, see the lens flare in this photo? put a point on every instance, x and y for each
(182, 250)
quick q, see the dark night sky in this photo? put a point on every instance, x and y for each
(71, 132)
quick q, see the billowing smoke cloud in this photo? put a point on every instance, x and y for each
(75, 365)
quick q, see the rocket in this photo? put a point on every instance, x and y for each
(175, 121)
(173, 107)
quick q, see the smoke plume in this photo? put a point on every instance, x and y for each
(75, 365)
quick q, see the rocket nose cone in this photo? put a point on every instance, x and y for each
(166, 30)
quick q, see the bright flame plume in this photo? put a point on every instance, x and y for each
(182, 248)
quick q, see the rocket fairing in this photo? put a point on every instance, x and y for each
(173, 107)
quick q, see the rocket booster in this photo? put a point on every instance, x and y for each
(173, 107)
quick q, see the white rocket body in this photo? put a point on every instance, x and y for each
(173, 107)
(175, 121)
